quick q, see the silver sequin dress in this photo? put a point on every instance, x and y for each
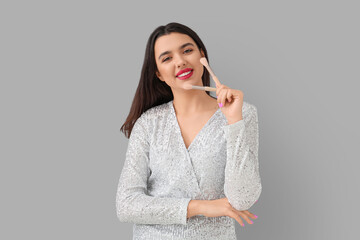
(160, 175)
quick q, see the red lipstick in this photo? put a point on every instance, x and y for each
(186, 70)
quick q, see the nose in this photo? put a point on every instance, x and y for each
(180, 62)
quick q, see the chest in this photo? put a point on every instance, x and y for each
(188, 156)
(191, 126)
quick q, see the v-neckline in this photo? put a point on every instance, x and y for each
(179, 129)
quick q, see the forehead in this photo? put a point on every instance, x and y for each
(171, 42)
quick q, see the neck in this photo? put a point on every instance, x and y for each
(190, 102)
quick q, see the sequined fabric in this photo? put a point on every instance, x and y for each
(160, 175)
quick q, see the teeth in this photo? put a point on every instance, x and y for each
(184, 74)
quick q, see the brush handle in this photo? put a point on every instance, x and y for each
(216, 80)
(204, 88)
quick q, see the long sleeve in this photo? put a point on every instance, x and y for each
(242, 184)
(133, 204)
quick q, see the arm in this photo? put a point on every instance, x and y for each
(133, 205)
(242, 179)
(195, 208)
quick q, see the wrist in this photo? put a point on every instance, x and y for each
(234, 120)
(195, 207)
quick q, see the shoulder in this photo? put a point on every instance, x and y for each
(153, 118)
(155, 115)
(156, 112)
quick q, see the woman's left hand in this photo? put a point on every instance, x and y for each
(232, 102)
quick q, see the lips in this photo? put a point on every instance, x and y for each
(186, 76)
(183, 71)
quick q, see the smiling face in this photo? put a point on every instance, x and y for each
(175, 52)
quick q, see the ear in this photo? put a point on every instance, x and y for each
(202, 53)
(158, 75)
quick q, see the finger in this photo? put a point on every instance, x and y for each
(218, 99)
(236, 217)
(238, 94)
(253, 216)
(224, 96)
(221, 98)
(229, 96)
(223, 86)
(244, 216)
(218, 89)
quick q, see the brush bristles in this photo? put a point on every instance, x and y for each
(187, 86)
(204, 61)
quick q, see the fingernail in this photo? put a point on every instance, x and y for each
(242, 224)
(251, 222)
(256, 216)
(220, 105)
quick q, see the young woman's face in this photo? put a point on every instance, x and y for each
(175, 52)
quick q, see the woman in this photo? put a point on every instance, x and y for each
(192, 160)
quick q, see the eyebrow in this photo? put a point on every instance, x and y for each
(182, 46)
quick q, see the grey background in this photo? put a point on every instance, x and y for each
(69, 70)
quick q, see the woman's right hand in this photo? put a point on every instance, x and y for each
(222, 207)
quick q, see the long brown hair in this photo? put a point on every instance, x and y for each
(151, 91)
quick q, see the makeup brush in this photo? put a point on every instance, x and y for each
(206, 64)
(188, 86)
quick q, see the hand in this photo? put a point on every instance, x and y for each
(222, 207)
(232, 102)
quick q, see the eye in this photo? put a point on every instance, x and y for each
(165, 59)
(189, 50)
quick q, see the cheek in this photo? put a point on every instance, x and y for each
(199, 66)
(164, 71)
(201, 70)
(168, 74)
